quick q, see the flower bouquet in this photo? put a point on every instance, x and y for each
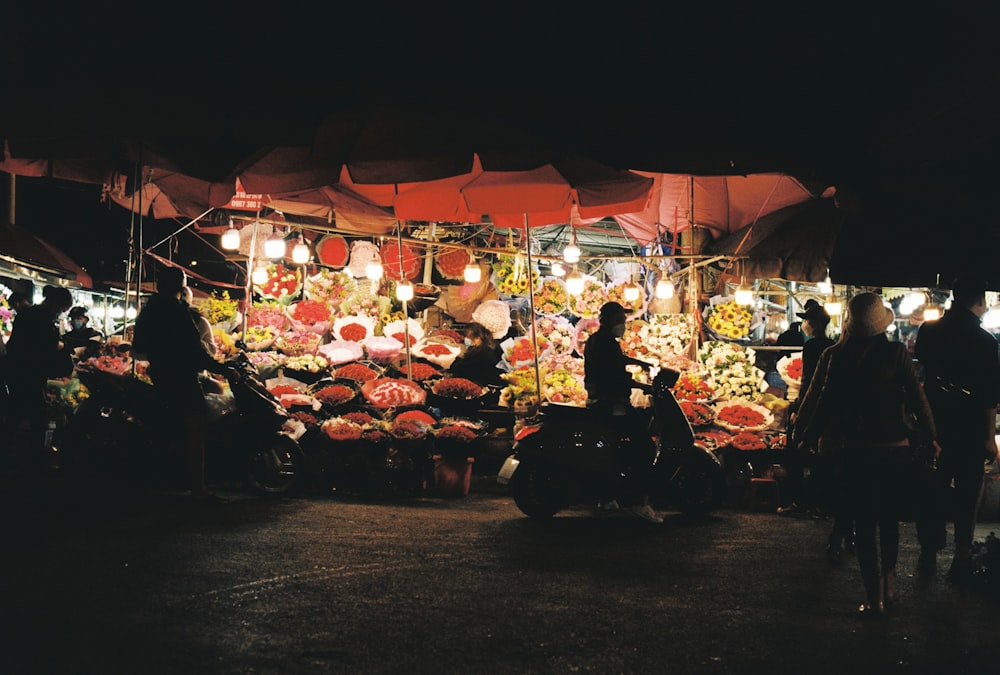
(552, 297)
(266, 362)
(382, 349)
(634, 342)
(693, 387)
(565, 387)
(698, 414)
(741, 416)
(308, 366)
(511, 275)
(330, 286)
(458, 388)
(518, 351)
(494, 315)
(357, 372)
(397, 330)
(391, 252)
(555, 361)
(353, 327)
(418, 372)
(584, 329)
(259, 338)
(748, 441)
(588, 304)
(731, 371)
(296, 343)
(790, 370)
(283, 284)
(387, 392)
(558, 331)
(366, 304)
(334, 396)
(220, 310)
(451, 262)
(225, 345)
(671, 334)
(712, 439)
(340, 429)
(337, 352)
(310, 315)
(728, 320)
(441, 354)
(362, 253)
(268, 314)
(521, 393)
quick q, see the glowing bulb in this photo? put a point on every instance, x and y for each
(558, 270)
(571, 253)
(833, 307)
(116, 312)
(260, 275)
(231, 239)
(274, 247)
(630, 292)
(825, 286)
(131, 313)
(932, 312)
(473, 273)
(743, 295)
(373, 270)
(574, 284)
(664, 289)
(404, 291)
(300, 253)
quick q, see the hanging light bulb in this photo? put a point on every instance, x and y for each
(630, 292)
(260, 275)
(664, 288)
(826, 286)
(274, 247)
(571, 253)
(373, 270)
(744, 293)
(574, 283)
(231, 238)
(473, 273)
(833, 307)
(300, 252)
(404, 291)
(932, 312)
(557, 269)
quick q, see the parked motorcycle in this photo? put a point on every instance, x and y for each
(569, 455)
(118, 435)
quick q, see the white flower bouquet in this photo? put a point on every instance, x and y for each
(494, 315)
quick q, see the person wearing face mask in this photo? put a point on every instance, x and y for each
(479, 360)
(81, 334)
(609, 389)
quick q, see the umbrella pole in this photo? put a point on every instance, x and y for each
(248, 291)
(406, 313)
(531, 307)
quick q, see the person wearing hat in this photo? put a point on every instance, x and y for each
(860, 399)
(962, 378)
(167, 337)
(814, 323)
(80, 333)
(609, 389)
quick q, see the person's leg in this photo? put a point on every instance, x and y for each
(194, 446)
(968, 485)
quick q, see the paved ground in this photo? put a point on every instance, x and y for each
(468, 585)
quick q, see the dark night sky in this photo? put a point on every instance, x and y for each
(898, 105)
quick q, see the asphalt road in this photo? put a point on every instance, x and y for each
(466, 585)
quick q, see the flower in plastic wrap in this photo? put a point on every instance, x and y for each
(268, 314)
(559, 332)
(265, 360)
(337, 352)
(671, 333)
(729, 320)
(731, 371)
(260, 338)
(283, 283)
(552, 297)
(309, 363)
(518, 351)
(521, 389)
(397, 330)
(511, 275)
(440, 353)
(340, 429)
(584, 329)
(494, 315)
(330, 286)
(225, 346)
(353, 327)
(562, 386)
(366, 304)
(381, 348)
(556, 361)
(219, 308)
(588, 304)
(362, 253)
(310, 315)
(296, 343)
(634, 341)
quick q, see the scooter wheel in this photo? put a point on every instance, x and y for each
(276, 468)
(535, 491)
(697, 488)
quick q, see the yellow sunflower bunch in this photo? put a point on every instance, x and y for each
(730, 320)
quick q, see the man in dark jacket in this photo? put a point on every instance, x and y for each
(962, 381)
(609, 389)
(167, 337)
